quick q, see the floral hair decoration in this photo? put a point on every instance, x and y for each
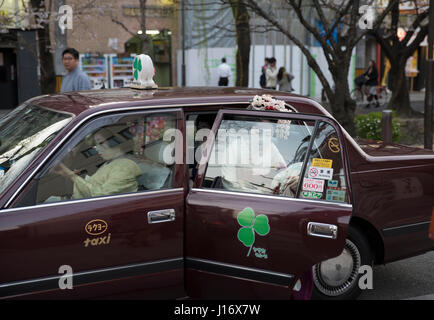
(268, 103)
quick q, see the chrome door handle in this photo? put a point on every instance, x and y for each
(161, 216)
(322, 230)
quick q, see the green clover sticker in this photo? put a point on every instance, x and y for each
(137, 66)
(251, 224)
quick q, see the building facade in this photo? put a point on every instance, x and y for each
(18, 55)
(113, 28)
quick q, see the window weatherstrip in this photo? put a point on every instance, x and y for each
(306, 160)
(102, 198)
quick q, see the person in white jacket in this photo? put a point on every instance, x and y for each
(271, 75)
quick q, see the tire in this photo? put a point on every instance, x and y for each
(338, 278)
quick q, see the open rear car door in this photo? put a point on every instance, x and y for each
(272, 198)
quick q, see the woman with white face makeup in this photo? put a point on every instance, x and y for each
(117, 175)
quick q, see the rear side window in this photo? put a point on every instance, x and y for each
(288, 158)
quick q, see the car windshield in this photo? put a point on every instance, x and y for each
(24, 133)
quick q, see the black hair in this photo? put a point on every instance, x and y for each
(223, 60)
(71, 51)
(272, 60)
(280, 73)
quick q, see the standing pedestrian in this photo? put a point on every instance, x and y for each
(284, 80)
(224, 72)
(271, 74)
(75, 80)
(262, 81)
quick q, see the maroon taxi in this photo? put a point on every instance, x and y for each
(124, 189)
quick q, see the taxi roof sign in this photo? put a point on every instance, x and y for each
(143, 71)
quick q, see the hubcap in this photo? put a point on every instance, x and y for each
(336, 276)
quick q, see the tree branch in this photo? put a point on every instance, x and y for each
(122, 25)
(312, 30)
(310, 60)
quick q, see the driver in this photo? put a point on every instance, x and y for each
(117, 175)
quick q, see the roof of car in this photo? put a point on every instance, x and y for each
(80, 101)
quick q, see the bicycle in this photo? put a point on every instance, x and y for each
(358, 94)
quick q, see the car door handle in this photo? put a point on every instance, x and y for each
(322, 230)
(161, 216)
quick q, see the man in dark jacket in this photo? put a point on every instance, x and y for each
(371, 76)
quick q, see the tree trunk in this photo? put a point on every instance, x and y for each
(143, 36)
(46, 59)
(241, 17)
(343, 109)
(400, 100)
(342, 106)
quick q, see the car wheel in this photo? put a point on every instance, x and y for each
(338, 278)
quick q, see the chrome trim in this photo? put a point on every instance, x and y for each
(72, 115)
(322, 230)
(158, 216)
(238, 267)
(399, 230)
(84, 273)
(406, 225)
(102, 198)
(234, 193)
(392, 169)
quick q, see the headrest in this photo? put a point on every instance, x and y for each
(155, 151)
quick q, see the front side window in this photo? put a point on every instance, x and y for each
(325, 168)
(111, 156)
(290, 158)
(24, 133)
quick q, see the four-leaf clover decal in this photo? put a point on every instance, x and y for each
(251, 225)
(137, 67)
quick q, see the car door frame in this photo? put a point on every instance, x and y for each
(199, 270)
(44, 287)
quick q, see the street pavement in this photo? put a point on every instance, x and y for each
(409, 279)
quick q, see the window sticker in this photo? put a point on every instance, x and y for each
(323, 163)
(335, 194)
(320, 173)
(313, 185)
(311, 195)
(333, 183)
(334, 145)
(252, 224)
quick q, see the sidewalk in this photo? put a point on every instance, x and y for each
(417, 102)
